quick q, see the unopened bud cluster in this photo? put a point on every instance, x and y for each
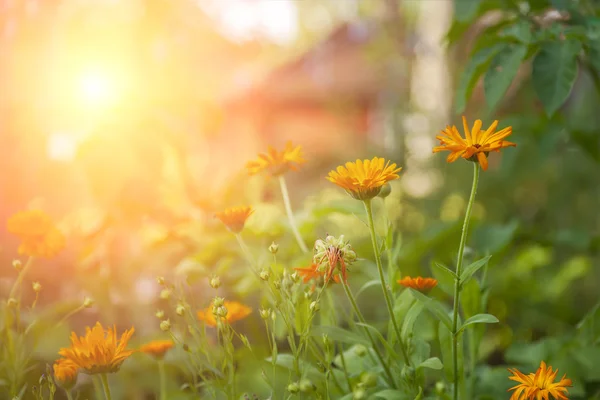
(340, 246)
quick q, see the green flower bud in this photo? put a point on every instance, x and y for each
(265, 275)
(385, 191)
(215, 282)
(165, 325)
(218, 301)
(180, 310)
(359, 394)
(306, 386)
(273, 248)
(160, 314)
(293, 388)
(360, 350)
(165, 294)
(314, 306)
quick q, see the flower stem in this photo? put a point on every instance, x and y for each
(386, 294)
(361, 318)
(163, 380)
(69, 395)
(20, 277)
(457, 283)
(104, 380)
(288, 209)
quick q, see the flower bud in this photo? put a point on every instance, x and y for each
(277, 285)
(165, 294)
(186, 348)
(359, 394)
(160, 280)
(165, 325)
(273, 248)
(180, 310)
(314, 306)
(385, 191)
(218, 301)
(265, 275)
(326, 340)
(18, 265)
(265, 313)
(215, 282)
(37, 287)
(306, 386)
(293, 388)
(440, 387)
(295, 277)
(88, 302)
(220, 311)
(12, 302)
(160, 314)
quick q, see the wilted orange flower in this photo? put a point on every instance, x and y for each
(312, 273)
(157, 348)
(98, 351)
(363, 179)
(235, 217)
(234, 310)
(419, 283)
(477, 143)
(65, 373)
(39, 236)
(540, 385)
(277, 162)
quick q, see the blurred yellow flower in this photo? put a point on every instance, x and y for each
(98, 351)
(235, 217)
(65, 373)
(277, 162)
(419, 283)
(38, 233)
(363, 179)
(234, 312)
(540, 385)
(157, 348)
(477, 143)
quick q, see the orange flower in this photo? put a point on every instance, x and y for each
(65, 373)
(157, 348)
(312, 273)
(419, 283)
(235, 217)
(540, 385)
(231, 311)
(363, 179)
(98, 351)
(477, 143)
(39, 236)
(277, 162)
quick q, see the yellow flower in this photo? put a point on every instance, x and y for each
(234, 310)
(418, 283)
(540, 385)
(363, 179)
(277, 162)
(39, 236)
(98, 351)
(65, 373)
(235, 217)
(157, 348)
(477, 143)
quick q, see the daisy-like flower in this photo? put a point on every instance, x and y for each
(540, 385)
(38, 233)
(312, 272)
(157, 348)
(419, 283)
(277, 163)
(235, 218)
(230, 311)
(65, 373)
(334, 253)
(99, 351)
(364, 179)
(477, 143)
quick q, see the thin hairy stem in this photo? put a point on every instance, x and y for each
(290, 214)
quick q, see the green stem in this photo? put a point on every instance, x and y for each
(386, 294)
(105, 386)
(69, 395)
(361, 318)
(163, 379)
(457, 283)
(70, 314)
(20, 277)
(290, 214)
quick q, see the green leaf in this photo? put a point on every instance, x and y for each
(554, 72)
(431, 363)
(385, 343)
(410, 319)
(479, 319)
(445, 277)
(476, 66)
(470, 298)
(520, 31)
(472, 268)
(338, 334)
(369, 284)
(445, 338)
(465, 10)
(391, 394)
(434, 307)
(503, 70)
(594, 54)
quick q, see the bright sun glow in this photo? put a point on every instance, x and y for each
(98, 89)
